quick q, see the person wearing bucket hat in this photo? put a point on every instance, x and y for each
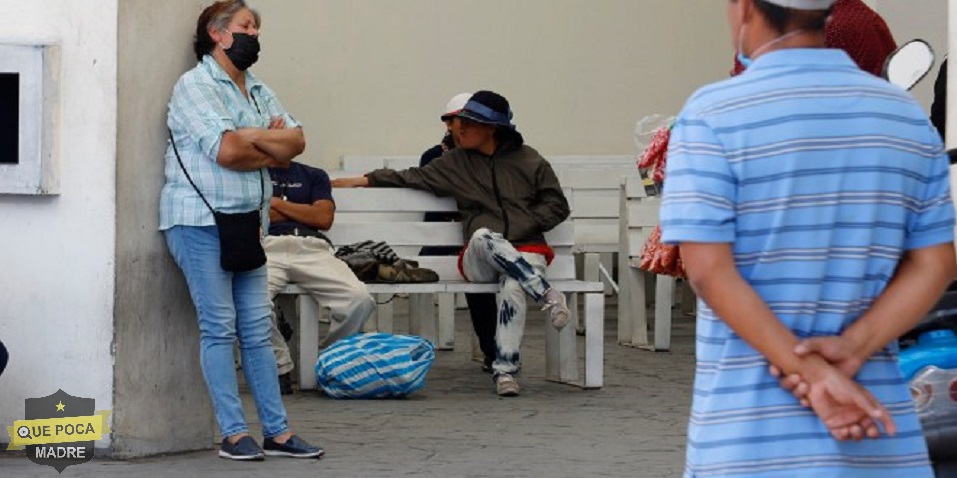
(857, 29)
(508, 196)
(811, 201)
(487, 107)
(482, 307)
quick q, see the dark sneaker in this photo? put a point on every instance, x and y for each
(245, 449)
(294, 447)
(285, 383)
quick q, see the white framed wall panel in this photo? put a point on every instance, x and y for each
(34, 171)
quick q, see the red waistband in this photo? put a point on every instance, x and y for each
(541, 249)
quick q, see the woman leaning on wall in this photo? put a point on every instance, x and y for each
(226, 127)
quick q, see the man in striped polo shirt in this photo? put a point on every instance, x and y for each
(810, 199)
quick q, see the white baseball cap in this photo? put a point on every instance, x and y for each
(455, 105)
(803, 4)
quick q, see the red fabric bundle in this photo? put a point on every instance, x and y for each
(862, 33)
(659, 258)
(655, 155)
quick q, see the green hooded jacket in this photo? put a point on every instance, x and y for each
(513, 192)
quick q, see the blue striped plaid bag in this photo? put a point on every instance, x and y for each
(374, 366)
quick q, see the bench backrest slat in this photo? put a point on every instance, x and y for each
(389, 200)
(564, 160)
(426, 233)
(595, 177)
(642, 214)
(369, 162)
(362, 163)
(596, 231)
(401, 162)
(364, 200)
(563, 267)
(596, 204)
(394, 215)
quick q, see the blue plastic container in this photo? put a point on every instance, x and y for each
(935, 348)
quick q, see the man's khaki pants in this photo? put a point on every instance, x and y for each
(309, 262)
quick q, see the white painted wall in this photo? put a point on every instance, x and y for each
(373, 76)
(56, 253)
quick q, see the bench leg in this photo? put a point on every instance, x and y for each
(626, 285)
(422, 316)
(573, 316)
(664, 294)
(590, 273)
(415, 312)
(384, 313)
(446, 322)
(594, 340)
(460, 302)
(561, 355)
(372, 323)
(633, 314)
(308, 341)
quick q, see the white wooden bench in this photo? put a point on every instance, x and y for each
(369, 162)
(354, 207)
(595, 181)
(639, 217)
(595, 210)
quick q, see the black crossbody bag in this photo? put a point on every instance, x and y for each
(240, 245)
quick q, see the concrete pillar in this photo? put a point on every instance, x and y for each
(160, 400)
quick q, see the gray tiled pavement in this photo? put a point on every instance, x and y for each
(458, 427)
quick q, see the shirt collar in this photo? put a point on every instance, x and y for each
(790, 57)
(219, 74)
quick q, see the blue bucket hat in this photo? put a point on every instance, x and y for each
(487, 107)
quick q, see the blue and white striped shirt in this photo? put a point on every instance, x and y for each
(205, 104)
(821, 177)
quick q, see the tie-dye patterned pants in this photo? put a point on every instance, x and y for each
(491, 258)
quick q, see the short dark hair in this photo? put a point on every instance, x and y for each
(217, 15)
(783, 19)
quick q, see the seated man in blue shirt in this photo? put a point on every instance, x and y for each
(298, 252)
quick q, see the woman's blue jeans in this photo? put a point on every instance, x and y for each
(230, 307)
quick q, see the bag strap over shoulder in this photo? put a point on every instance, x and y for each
(262, 180)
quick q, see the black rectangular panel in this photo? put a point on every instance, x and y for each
(9, 118)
